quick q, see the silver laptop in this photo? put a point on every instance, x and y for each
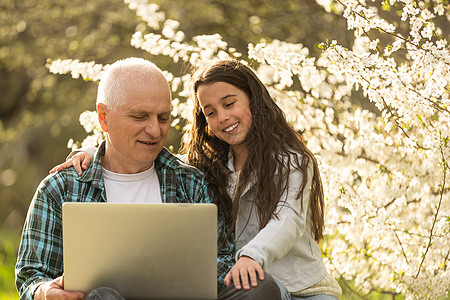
(144, 251)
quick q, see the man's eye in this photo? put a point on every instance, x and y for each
(138, 117)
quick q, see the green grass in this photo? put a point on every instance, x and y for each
(347, 294)
(9, 241)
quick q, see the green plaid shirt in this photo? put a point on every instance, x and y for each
(40, 256)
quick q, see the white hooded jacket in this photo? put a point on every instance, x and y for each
(285, 247)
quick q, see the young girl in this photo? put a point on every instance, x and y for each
(263, 177)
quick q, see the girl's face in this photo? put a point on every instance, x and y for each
(227, 111)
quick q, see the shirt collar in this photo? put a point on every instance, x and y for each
(167, 160)
(230, 163)
(94, 172)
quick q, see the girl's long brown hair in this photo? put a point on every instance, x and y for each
(272, 150)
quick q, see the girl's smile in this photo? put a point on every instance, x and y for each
(231, 128)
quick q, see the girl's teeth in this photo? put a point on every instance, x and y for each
(231, 128)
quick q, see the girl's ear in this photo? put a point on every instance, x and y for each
(102, 116)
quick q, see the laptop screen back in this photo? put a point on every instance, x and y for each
(144, 251)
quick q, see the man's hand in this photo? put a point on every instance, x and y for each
(55, 290)
(244, 268)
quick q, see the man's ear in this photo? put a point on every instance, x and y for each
(102, 116)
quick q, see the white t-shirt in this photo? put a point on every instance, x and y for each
(141, 187)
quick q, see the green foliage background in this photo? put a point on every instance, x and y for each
(39, 111)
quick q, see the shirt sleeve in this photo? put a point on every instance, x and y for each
(226, 249)
(280, 235)
(40, 255)
(225, 245)
(89, 150)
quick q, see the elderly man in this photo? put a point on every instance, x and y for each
(134, 109)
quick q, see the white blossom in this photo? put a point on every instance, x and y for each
(149, 12)
(87, 70)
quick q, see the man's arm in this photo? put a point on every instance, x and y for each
(40, 256)
(226, 248)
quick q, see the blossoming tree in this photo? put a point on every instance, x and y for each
(385, 174)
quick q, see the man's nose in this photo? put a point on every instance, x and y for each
(152, 127)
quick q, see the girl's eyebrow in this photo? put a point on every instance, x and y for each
(227, 96)
(221, 99)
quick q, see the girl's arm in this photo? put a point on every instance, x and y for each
(280, 235)
(79, 159)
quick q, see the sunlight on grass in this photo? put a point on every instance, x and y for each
(347, 294)
(8, 247)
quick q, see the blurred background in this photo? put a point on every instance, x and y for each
(39, 111)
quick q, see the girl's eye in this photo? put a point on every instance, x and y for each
(209, 114)
(229, 104)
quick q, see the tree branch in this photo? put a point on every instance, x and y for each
(430, 238)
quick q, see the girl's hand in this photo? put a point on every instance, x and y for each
(79, 161)
(244, 268)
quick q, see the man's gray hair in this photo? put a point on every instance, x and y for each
(122, 74)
